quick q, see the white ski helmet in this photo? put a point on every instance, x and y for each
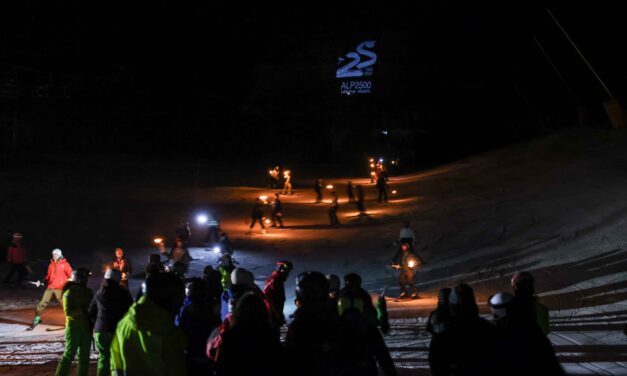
(499, 302)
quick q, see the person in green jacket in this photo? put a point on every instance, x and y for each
(76, 299)
(146, 341)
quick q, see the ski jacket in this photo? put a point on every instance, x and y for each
(146, 342)
(58, 273)
(274, 292)
(76, 299)
(16, 254)
(108, 306)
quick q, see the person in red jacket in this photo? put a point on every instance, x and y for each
(59, 271)
(16, 258)
(274, 292)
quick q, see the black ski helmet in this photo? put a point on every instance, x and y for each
(352, 280)
(196, 289)
(80, 276)
(166, 290)
(284, 266)
(311, 285)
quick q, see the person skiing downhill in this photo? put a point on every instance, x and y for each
(407, 262)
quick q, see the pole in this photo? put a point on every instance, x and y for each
(580, 54)
(557, 72)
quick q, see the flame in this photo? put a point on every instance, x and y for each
(411, 263)
(267, 221)
(372, 173)
(394, 192)
(329, 186)
(158, 240)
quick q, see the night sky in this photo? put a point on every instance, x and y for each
(209, 80)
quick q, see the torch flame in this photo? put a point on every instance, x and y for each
(411, 263)
(329, 186)
(158, 240)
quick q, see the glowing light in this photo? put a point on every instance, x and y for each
(381, 160)
(158, 240)
(394, 192)
(330, 186)
(411, 263)
(202, 219)
(267, 221)
(263, 198)
(371, 165)
(270, 172)
(371, 159)
(216, 249)
(372, 173)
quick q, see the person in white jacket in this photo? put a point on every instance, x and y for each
(407, 235)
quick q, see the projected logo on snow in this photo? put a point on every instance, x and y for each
(356, 68)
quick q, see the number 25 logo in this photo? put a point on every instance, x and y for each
(355, 61)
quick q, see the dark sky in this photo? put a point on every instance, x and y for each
(200, 78)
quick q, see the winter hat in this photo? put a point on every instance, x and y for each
(523, 283)
(57, 252)
(113, 274)
(241, 276)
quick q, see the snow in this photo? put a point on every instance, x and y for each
(554, 206)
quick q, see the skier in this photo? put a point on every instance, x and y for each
(257, 214)
(76, 299)
(382, 189)
(408, 263)
(468, 343)
(107, 308)
(313, 336)
(333, 210)
(525, 305)
(407, 235)
(277, 212)
(59, 271)
(318, 190)
(183, 232)
(16, 258)
(349, 191)
(225, 244)
(146, 341)
(360, 200)
(274, 177)
(124, 265)
(179, 254)
(287, 183)
(197, 320)
(154, 265)
(274, 291)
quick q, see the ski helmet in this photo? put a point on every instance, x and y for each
(352, 280)
(284, 266)
(166, 290)
(80, 276)
(499, 302)
(196, 289)
(311, 285)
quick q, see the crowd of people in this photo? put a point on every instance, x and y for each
(225, 324)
